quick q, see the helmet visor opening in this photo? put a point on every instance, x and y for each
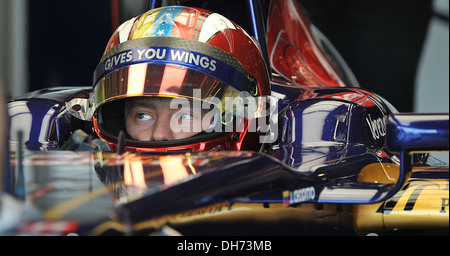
(186, 94)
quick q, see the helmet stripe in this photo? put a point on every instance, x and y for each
(200, 25)
(208, 59)
(204, 63)
(164, 21)
(125, 30)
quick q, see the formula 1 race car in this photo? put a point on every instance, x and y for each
(342, 161)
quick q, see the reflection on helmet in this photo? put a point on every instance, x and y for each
(209, 72)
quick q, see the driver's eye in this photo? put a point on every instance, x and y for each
(186, 117)
(143, 116)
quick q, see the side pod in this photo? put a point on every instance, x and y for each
(407, 133)
(420, 206)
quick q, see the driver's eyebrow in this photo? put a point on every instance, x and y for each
(137, 103)
(142, 103)
(154, 103)
(148, 103)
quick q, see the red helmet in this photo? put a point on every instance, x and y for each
(179, 54)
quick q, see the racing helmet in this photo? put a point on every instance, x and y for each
(191, 58)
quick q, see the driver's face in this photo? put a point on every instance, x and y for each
(151, 119)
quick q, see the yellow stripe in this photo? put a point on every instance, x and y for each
(144, 25)
(108, 225)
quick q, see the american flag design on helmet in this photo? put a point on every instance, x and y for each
(175, 21)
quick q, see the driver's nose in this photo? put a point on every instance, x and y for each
(162, 129)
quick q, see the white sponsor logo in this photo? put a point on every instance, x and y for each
(302, 195)
(191, 58)
(118, 59)
(377, 126)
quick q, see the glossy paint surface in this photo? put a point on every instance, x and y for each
(415, 132)
(294, 53)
